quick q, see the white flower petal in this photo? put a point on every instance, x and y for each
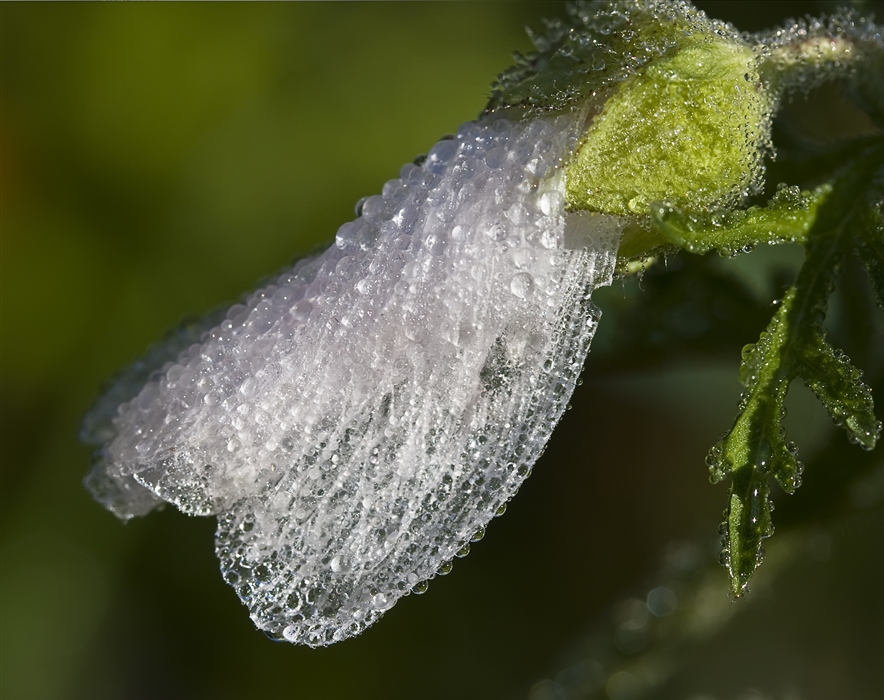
(356, 422)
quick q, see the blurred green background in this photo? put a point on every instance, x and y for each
(159, 160)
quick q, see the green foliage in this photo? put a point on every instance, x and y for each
(674, 142)
(787, 219)
(869, 236)
(837, 218)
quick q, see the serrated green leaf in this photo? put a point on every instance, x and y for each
(794, 345)
(755, 448)
(786, 219)
(839, 387)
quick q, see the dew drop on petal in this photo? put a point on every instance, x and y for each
(521, 284)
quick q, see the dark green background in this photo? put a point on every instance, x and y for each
(158, 160)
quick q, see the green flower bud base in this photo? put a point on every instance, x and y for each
(691, 127)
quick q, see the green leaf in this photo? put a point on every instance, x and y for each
(839, 387)
(794, 344)
(755, 448)
(786, 219)
(869, 236)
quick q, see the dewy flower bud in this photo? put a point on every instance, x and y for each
(675, 107)
(356, 422)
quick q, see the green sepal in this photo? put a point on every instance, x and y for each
(588, 52)
(787, 218)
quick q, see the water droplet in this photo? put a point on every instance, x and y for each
(339, 564)
(521, 285)
(445, 568)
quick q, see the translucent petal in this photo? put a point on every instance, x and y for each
(354, 424)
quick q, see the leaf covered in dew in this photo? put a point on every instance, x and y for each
(795, 344)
